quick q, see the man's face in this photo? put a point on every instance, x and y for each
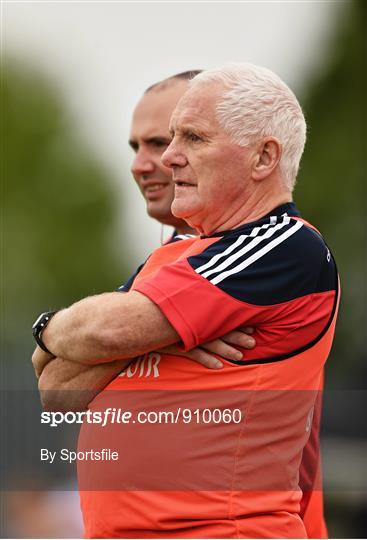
(149, 138)
(211, 173)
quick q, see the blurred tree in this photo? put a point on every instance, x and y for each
(59, 213)
(331, 191)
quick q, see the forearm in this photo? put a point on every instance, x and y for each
(107, 327)
(66, 385)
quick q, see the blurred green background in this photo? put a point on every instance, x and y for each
(60, 237)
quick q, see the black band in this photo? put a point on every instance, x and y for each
(39, 327)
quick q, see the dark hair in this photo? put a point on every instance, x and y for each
(184, 75)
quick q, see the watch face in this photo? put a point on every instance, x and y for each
(39, 326)
(38, 321)
(42, 321)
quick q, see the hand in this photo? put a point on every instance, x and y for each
(40, 359)
(197, 354)
(240, 337)
(221, 347)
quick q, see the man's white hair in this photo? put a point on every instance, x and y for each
(256, 103)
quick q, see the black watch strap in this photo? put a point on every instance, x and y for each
(39, 326)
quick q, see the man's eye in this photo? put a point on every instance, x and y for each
(160, 144)
(193, 137)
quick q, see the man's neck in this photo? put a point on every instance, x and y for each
(185, 229)
(263, 209)
(249, 213)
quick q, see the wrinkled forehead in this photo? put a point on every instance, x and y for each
(197, 102)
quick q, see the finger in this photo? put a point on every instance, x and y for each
(204, 358)
(246, 329)
(223, 349)
(240, 339)
(197, 354)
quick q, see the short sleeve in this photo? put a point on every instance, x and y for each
(272, 274)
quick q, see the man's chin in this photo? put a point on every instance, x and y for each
(158, 211)
(182, 211)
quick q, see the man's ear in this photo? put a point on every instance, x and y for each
(269, 152)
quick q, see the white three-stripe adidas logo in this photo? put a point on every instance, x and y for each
(184, 236)
(212, 266)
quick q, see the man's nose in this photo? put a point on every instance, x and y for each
(173, 156)
(142, 163)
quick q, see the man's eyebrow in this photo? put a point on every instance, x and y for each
(157, 138)
(188, 130)
(150, 140)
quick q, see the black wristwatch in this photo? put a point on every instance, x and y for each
(39, 327)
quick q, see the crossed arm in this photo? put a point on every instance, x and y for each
(94, 339)
(107, 327)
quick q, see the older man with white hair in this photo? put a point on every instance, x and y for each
(238, 136)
